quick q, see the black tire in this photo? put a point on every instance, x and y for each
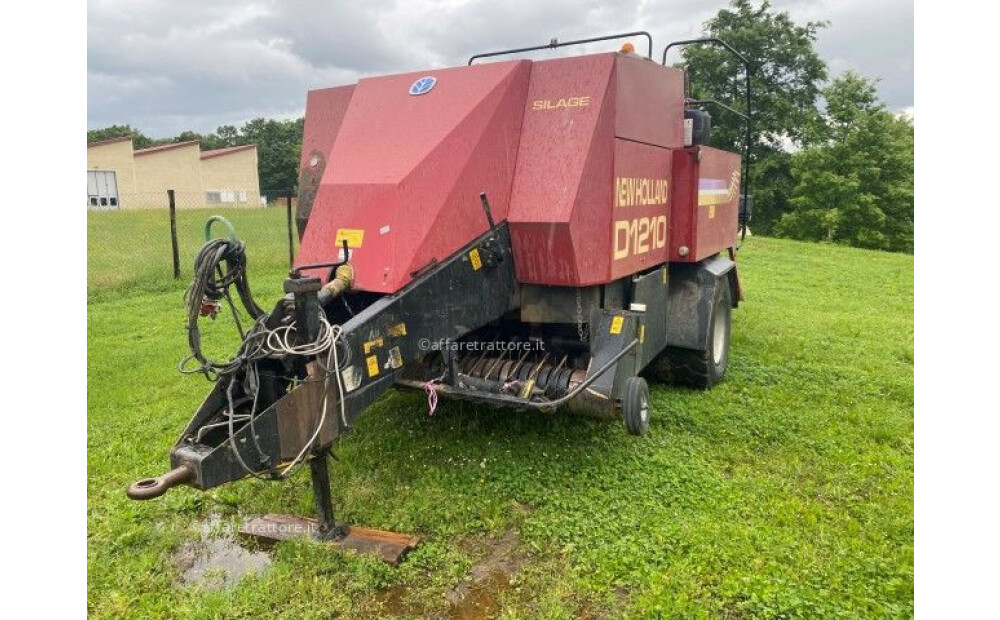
(635, 406)
(702, 369)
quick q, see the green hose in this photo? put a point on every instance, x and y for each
(218, 218)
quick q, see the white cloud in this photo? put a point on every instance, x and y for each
(165, 66)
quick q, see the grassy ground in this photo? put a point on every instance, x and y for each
(131, 249)
(787, 491)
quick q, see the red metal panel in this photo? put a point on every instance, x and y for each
(684, 203)
(650, 102)
(404, 171)
(560, 202)
(718, 201)
(325, 110)
(641, 211)
(563, 219)
(705, 203)
(403, 179)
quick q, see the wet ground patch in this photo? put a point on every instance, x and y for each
(219, 558)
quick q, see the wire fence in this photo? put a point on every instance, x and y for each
(150, 239)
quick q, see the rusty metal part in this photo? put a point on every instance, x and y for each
(577, 387)
(299, 413)
(520, 362)
(148, 488)
(309, 179)
(552, 380)
(498, 360)
(342, 280)
(390, 547)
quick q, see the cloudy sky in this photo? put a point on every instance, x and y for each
(164, 66)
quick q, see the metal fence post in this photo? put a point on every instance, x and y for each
(288, 218)
(173, 233)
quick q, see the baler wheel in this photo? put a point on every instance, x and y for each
(635, 406)
(703, 368)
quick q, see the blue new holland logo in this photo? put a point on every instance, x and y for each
(423, 85)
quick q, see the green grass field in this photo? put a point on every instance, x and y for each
(785, 492)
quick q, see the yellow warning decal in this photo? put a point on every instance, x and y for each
(397, 331)
(642, 334)
(372, 362)
(352, 236)
(529, 385)
(616, 324)
(477, 262)
(371, 344)
(711, 211)
(664, 272)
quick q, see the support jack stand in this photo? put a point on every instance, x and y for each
(388, 546)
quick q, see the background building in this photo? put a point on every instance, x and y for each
(230, 175)
(119, 177)
(110, 172)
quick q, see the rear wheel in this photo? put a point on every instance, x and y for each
(635, 406)
(706, 367)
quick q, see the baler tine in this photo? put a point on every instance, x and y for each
(564, 287)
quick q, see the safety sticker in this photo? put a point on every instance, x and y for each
(477, 262)
(397, 331)
(642, 334)
(395, 357)
(352, 236)
(372, 344)
(529, 385)
(616, 324)
(351, 377)
(372, 362)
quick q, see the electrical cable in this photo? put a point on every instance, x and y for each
(219, 265)
(278, 342)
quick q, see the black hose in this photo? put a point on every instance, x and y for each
(219, 265)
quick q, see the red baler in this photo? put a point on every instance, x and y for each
(529, 234)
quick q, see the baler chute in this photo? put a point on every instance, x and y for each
(523, 234)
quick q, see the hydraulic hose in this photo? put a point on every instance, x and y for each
(219, 265)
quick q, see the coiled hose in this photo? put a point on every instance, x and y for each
(219, 265)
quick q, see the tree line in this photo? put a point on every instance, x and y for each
(830, 161)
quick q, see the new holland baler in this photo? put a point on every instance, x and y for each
(525, 234)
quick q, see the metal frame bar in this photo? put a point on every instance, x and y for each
(748, 117)
(718, 103)
(554, 43)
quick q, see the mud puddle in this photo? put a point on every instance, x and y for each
(219, 558)
(478, 596)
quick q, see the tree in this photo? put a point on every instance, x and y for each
(188, 136)
(855, 187)
(786, 74)
(226, 135)
(139, 141)
(278, 146)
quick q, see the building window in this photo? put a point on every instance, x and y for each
(224, 196)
